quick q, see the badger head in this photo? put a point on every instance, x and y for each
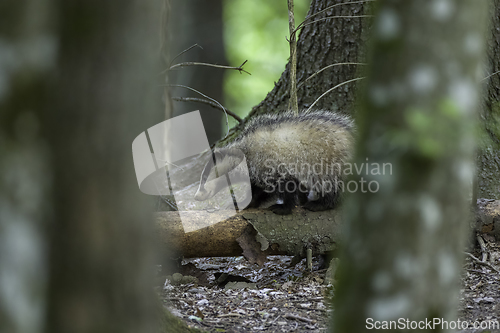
(213, 178)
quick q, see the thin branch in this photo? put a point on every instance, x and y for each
(497, 72)
(329, 17)
(206, 101)
(210, 98)
(190, 63)
(186, 50)
(327, 8)
(331, 89)
(293, 103)
(324, 68)
(484, 263)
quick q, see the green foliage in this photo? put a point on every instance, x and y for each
(256, 31)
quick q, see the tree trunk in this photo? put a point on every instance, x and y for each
(337, 40)
(489, 145)
(404, 243)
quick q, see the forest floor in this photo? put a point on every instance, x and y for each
(234, 296)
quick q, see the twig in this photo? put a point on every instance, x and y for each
(212, 104)
(327, 8)
(497, 72)
(324, 68)
(172, 204)
(484, 251)
(476, 271)
(484, 263)
(191, 63)
(210, 98)
(230, 314)
(331, 89)
(186, 50)
(293, 104)
(296, 317)
(329, 17)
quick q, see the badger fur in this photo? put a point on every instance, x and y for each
(291, 158)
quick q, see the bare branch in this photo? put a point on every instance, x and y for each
(210, 98)
(190, 63)
(206, 101)
(186, 50)
(293, 103)
(331, 89)
(326, 67)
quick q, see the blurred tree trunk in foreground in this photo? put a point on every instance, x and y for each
(106, 93)
(403, 252)
(324, 43)
(27, 57)
(489, 144)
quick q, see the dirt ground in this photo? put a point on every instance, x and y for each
(234, 296)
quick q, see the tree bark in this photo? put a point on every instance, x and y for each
(489, 145)
(27, 59)
(101, 253)
(404, 243)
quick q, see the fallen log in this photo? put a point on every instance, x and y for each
(271, 233)
(274, 234)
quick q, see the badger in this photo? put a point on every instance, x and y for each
(291, 158)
